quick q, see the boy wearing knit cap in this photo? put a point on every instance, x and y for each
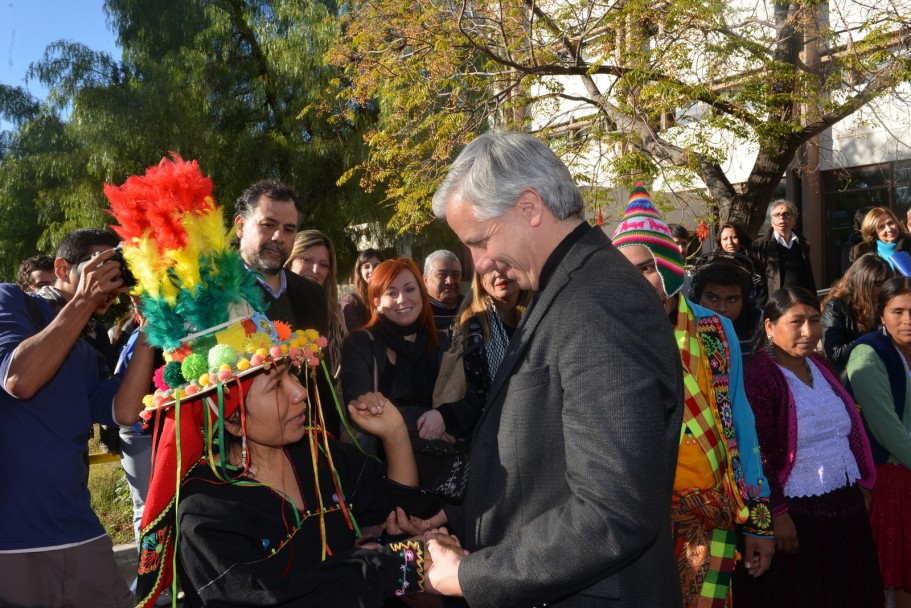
(719, 480)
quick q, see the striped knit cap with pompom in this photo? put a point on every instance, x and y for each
(642, 225)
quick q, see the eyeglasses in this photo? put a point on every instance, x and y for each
(783, 215)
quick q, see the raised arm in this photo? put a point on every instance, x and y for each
(38, 358)
(376, 415)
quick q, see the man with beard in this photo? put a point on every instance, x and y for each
(267, 216)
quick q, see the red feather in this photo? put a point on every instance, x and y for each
(157, 201)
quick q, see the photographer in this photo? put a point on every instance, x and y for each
(53, 549)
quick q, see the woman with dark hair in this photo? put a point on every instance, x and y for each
(398, 352)
(313, 257)
(732, 238)
(849, 311)
(817, 459)
(883, 234)
(356, 306)
(878, 372)
(269, 507)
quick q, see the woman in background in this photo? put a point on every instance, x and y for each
(878, 371)
(882, 234)
(732, 238)
(356, 306)
(482, 333)
(849, 311)
(313, 257)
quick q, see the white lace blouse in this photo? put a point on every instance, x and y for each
(824, 461)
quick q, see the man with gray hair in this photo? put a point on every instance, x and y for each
(784, 253)
(443, 278)
(568, 500)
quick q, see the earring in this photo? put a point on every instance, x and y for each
(770, 351)
(885, 333)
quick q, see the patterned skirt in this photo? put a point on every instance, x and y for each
(835, 563)
(890, 519)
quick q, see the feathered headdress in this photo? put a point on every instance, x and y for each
(203, 308)
(177, 247)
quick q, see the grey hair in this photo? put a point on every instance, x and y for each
(439, 254)
(494, 169)
(783, 201)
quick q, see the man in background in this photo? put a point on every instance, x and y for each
(267, 217)
(443, 278)
(36, 272)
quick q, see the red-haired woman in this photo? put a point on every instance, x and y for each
(398, 352)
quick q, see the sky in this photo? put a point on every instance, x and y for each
(28, 26)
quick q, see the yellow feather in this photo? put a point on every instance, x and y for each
(143, 261)
(212, 226)
(185, 262)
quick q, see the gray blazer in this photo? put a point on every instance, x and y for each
(573, 460)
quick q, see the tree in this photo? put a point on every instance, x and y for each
(624, 91)
(239, 85)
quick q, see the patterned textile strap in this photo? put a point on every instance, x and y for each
(716, 355)
(705, 547)
(411, 572)
(698, 414)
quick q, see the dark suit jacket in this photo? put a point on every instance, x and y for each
(573, 460)
(766, 250)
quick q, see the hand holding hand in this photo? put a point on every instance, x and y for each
(376, 415)
(400, 522)
(785, 533)
(444, 555)
(757, 554)
(431, 425)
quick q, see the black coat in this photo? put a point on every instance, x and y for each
(242, 545)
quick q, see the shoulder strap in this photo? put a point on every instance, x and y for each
(376, 371)
(34, 312)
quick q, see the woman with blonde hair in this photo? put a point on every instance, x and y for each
(313, 257)
(882, 234)
(482, 332)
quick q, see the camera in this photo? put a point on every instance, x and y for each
(128, 279)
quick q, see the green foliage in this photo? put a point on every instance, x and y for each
(651, 88)
(239, 85)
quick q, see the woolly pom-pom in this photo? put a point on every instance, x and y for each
(194, 366)
(158, 379)
(173, 375)
(222, 354)
(282, 329)
(243, 364)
